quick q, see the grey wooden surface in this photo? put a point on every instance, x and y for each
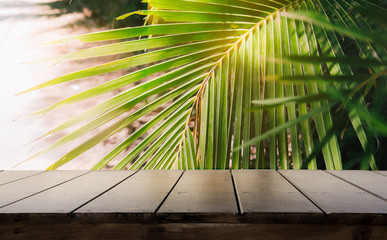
(70, 195)
(366, 180)
(10, 176)
(205, 204)
(161, 193)
(334, 195)
(141, 193)
(202, 191)
(268, 191)
(26, 187)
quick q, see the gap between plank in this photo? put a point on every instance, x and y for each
(379, 173)
(238, 202)
(22, 177)
(353, 184)
(43, 189)
(302, 192)
(72, 212)
(166, 196)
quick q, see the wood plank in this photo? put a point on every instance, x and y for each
(23, 188)
(96, 228)
(14, 175)
(141, 193)
(367, 180)
(70, 195)
(384, 173)
(202, 191)
(267, 191)
(334, 195)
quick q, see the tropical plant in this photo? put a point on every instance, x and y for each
(102, 16)
(241, 84)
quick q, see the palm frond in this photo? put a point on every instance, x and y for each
(243, 83)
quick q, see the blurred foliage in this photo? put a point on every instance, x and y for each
(103, 12)
(374, 97)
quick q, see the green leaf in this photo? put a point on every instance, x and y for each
(198, 16)
(257, 83)
(175, 28)
(363, 35)
(284, 126)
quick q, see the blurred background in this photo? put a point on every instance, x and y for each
(24, 26)
(27, 24)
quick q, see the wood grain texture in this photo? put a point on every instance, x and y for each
(367, 180)
(67, 197)
(26, 187)
(202, 191)
(334, 195)
(14, 175)
(267, 191)
(141, 193)
(202, 205)
(66, 229)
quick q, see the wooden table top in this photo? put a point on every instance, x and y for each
(198, 195)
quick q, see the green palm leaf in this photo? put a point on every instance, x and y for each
(243, 84)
